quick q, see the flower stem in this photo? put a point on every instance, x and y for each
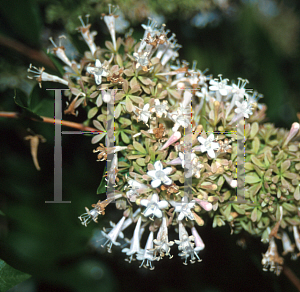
(74, 125)
(292, 277)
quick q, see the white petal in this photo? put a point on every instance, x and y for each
(151, 173)
(163, 204)
(98, 79)
(203, 148)
(167, 170)
(156, 183)
(158, 165)
(154, 198)
(201, 140)
(98, 63)
(211, 137)
(157, 213)
(223, 91)
(149, 212)
(144, 202)
(215, 145)
(181, 216)
(211, 153)
(167, 181)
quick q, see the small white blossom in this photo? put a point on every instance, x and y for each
(98, 71)
(135, 247)
(154, 206)
(220, 87)
(40, 76)
(160, 108)
(208, 145)
(184, 209)
(159, 175)
(244, 108)
(114, 234)
(144, 114)
(162, 243)
(186, 245)
(147, 254)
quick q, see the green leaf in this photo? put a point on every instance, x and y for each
(10, 277)
(23, 101)
(22, 21)
(125, 138)
(92, 112)
(252, 178)
(102, 187)
(139, 147)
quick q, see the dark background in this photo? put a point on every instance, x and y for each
(47, 241)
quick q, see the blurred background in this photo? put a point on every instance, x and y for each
(45, 243)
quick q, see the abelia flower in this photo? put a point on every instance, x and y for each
(147, 254)
(208, 145)
(159, 175)
(98, 71)
(154, 206)
(184, 208)
(244, 108)
(40, 76)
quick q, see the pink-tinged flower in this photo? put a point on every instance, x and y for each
(207, 206)
(154, 206)
(159, 175)
(208, 145)
(198, 240)
(175, 137)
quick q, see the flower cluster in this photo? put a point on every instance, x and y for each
(173, 164)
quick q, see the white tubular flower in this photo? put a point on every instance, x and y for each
(40, 76)
(135, 241)
(221, 88)
(159, 175)
(162, 243)
(98, 71)
(296, 236)
(160, 108)
(114, 234)
(142, 59)
(187, 97)
(288, 246)
(111, 25)
(60, 52)
(186, 245)
(181, 156)
(244, 108)
(208, 145)
(147, 254)
(87, 36)
(154, 206)
(135, 186)
(144, 114)
(198, 240)
(184, 209)
(175, 137)
(181, 117)
(271, 259)
(239, 90)
(90, 215)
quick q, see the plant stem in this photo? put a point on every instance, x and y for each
(292, 277)
(74, 125)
